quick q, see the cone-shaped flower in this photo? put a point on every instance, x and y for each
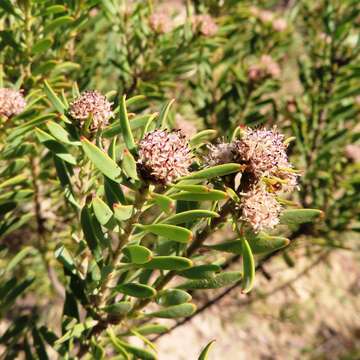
(12, 102)
(164, 156)
(91, 104)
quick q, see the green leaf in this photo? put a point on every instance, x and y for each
(300, 216)
(60, 133)
(161, 121)
(136, 290)
(55, 9)
(54, 99)
(152, 329)
(200, 271)
(205, 352)
(135, 99)
(9, 7)
(171, 232)
(41, 46)
(113, 192)
(39, 344)
(166, 203)
(192, 188)
(168, 263)
(212, 195)
(19, 257)
(172, 297)
(174, 312)
(248, 267)
(89, 232)
(139, 353)
(202, 137)
(101, 160)
(216, 282)
(129, 165)
(13, 181)
(125, 127)
(54, 146)
(63, 255)
(215, 171)
(56, 23)
(188, 216)
(137, 254)
(76, 331)
(118, 308)
(102, 212)
(122, 212)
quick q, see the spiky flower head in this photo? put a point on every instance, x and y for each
(262, 150)
(205, 24)
(221, 153)
(12, 102)
(93, 104)
(160, 23)
(164, 156)
(260, 209)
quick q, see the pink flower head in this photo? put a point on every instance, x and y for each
(205, 24)
(164, 156)
(91, 104)
(279, 25)
(160, 23)
(266, 16)
(12, 102)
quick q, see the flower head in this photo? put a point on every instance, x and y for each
(164, 156)
(160, 23)
(260, 209)
(91, 103)
(262, 150)
(279, 25)
(265, 67)
(12, 102)
(205, 24)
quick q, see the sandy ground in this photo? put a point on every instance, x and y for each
(316, 317)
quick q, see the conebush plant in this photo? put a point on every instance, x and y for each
(109, 198)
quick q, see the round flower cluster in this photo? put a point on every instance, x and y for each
(266, 67)
(160, 23)
(267, 172)
(12, 102)
(205, 24)
(164, 156)
(269, 18)
(91, 104)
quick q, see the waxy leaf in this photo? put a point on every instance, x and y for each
(136, 290)
(172, 297)
(213, 195)
(54, 146)
(168, 263)
(59, 21)
(300, 216)
(201, 271)
(192, 188)
(118, 308)
(102, 211)
(137, 254)
(129, 165)
(122, 212)
(101, 160)
(54, 99)
(161, 121)
(248, 267)
(13, 181)
(218, 281)
(205, 352)
(190, 215)
(125, 126)
(173, 312)
(166, 203)
(60, 133)
(202, 137)
(89, 232)
(215, 171)
(171, 232)
(152, 329)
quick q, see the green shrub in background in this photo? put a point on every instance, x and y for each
(106, 210)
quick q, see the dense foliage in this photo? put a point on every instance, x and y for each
(131, 132)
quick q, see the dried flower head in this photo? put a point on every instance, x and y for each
(260, 209)
(91, 103)
(221, 153)
(164, 156)
(160, 23)
(205, 24)
(12, 102)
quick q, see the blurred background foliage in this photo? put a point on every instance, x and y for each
(290, 64)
